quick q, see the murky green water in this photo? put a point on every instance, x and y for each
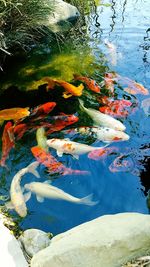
(126, 25)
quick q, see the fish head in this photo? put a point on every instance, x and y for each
(49, 106)
(121, 136)
(24, 112)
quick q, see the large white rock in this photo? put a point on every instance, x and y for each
(108, 241)
(62, 13)
(11, 254)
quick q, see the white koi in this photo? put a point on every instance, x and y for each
(65, 146)
(45, 190)
(104, 134)
(17, 198)
(101, 119)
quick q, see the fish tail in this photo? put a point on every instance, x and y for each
(81, 104)
(88, 200)
(32, 168)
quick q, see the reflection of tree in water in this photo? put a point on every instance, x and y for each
(112, 25)
(98, 32)
(146, 46)
(123, 11)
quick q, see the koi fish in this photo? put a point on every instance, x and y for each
(109, 79)
(102, 119)
(112, 52)
(104, 134)
(102, 153)
(17, 198)
(71, 90)
(50, 83)
(91, 84)
(7, 142)
(61, 121)
(123, 163)
(103, 99)
(41, 138)
(116, 108)
(69, 147)
(146, 106)
(133, 87)
(42, 111)
(19, 130)
(45, 190)
(14, 114)
(54, 166)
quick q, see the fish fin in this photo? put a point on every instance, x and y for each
(87, 200)
(27, 196)
(66, 95)
(59, 153)
(47, 182)
(76, 156)
(81, 104)
(9, 205)
(39, 199)
(32, 168)
(67, 139)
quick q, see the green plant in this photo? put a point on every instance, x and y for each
(21, 22)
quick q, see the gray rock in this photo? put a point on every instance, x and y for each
(34, 240)
(108, 241)
(11, 254)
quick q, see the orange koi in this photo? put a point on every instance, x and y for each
(42, 111)
(133, 87)
(70, 89)
(7, 142)
(123, 163)
(91, 84)
(103, 99)
(54, 166)
(61, 121)
(50, 83)
(14, 114)
(117, 108)
(102, 153)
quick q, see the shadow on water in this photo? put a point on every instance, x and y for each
(123, 190)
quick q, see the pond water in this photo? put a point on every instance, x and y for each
(125, 24)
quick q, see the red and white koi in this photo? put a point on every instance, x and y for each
(54, 166)
(101, 119)
(65, 146)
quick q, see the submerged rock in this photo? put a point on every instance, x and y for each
(34, 240)
(10, 251)
(108, 241)
(63, 15)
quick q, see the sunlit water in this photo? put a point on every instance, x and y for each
(126, 25)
